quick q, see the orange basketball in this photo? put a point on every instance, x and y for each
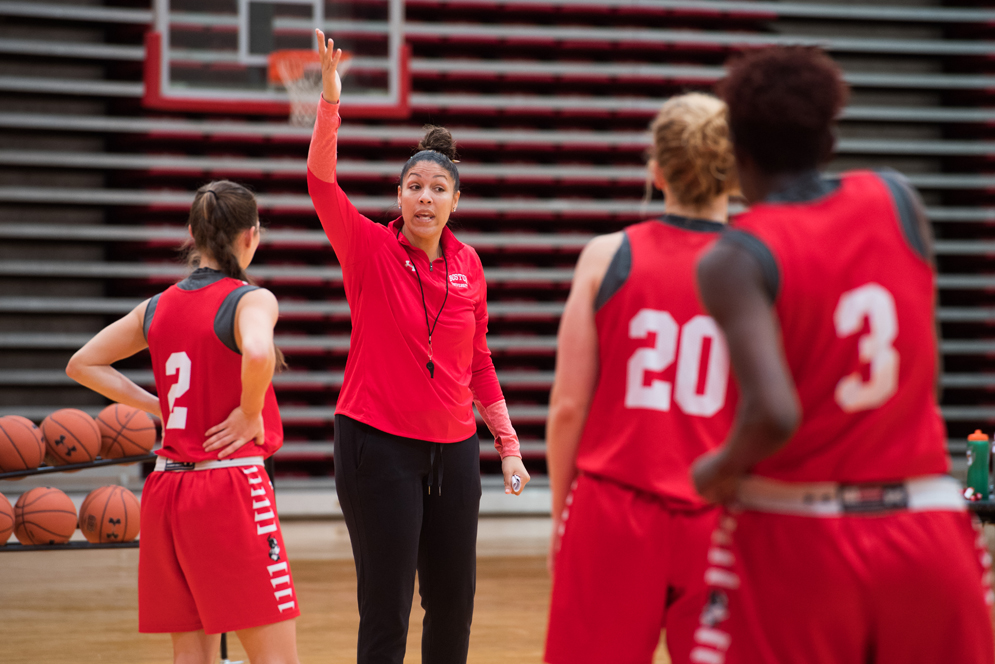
(71, 436)
(6, 519)
(44, 515)
(21, 444)
(125, 431)
(110, 514)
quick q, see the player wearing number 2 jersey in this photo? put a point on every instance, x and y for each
(642, 388)
(846, 540)
(211, 558)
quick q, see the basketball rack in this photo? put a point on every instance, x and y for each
(71, 546)
(87, 546)
(44, 470)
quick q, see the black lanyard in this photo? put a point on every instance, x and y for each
(431, 365)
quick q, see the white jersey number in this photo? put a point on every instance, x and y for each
(178, 362)
(875, 303)
(685, 344)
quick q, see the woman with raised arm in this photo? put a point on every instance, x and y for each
(407, 457)
(641, 389)
(211, 558)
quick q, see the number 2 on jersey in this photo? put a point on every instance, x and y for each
(178, 363)
(685, 344)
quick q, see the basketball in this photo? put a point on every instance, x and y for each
(71, 436)
(6, 519)
(21, 444)
(44, 515)
(125, 431)
(109, 514)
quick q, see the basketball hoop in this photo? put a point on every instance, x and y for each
(299, 71)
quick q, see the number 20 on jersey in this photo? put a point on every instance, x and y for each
(685, 344)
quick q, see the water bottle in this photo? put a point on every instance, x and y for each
(978, 455)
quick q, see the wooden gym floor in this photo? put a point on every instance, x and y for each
(67, 607)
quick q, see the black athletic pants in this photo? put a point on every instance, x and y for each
(410, 505)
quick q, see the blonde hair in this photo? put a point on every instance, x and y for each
(693, 150)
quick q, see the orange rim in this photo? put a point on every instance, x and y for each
(291, 61)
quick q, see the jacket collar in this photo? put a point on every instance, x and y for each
(450, 245)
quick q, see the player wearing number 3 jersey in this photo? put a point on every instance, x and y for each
(642, 388)
(212, 558)
(844, 540)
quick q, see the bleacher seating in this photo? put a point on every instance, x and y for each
(549, 100)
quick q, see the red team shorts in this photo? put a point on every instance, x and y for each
(892, 588)
(211, 554)
(628, 567)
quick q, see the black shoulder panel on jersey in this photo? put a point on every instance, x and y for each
(202, 276)
(617, 273)
(807, 187)
(761, 252)
(910, 210)
(692, 224)
(224, 321)
(149, 313)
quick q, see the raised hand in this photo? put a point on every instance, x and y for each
(331, 82)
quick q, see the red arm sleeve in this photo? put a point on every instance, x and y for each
(349, 232)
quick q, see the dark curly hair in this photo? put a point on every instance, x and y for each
(783, 102)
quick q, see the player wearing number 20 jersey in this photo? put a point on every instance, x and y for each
(635, 532)
(636, 344)
(664, 396)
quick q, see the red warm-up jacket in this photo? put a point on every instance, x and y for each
(387, 384)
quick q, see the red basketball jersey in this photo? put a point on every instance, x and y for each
(198, 377)
(856, 310)
(664, 394)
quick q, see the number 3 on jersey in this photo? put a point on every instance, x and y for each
(874, 303)
(685, 344)
(178, 363)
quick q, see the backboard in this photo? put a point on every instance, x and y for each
(211, 55)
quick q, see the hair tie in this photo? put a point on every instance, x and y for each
(211, 191)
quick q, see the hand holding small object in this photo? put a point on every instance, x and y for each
(515, 475)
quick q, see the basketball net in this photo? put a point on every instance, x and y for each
(300, 73)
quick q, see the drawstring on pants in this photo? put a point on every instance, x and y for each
(435, 459)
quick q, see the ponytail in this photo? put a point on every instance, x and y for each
(221, 212)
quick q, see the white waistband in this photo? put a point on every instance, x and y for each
(164, 464)
(920, 494)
